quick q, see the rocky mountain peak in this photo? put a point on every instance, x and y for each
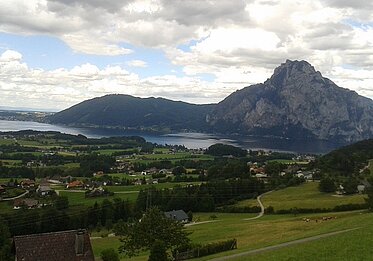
(291, 71)
(296, 102)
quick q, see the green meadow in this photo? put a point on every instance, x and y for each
(306, 195)
(272, 230)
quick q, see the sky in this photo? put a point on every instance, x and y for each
(56, 53)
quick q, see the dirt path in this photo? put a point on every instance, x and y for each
(19, 196)
(261, 206)
(198, 223)
(282, 245)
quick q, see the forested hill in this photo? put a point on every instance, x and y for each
(132, 112)
(347, 160)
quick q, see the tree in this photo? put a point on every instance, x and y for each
(224, 150)
(350, 185)
(190, 215)
(179, 170)
(154, 225)
(327, 185)
(61, 202)
(274, 168)
(369, 199)
(5, 246)
(158, 252)
(109, 254)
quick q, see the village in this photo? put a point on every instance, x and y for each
(91, 186)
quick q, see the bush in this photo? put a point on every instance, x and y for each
(109, 255)
(235, 209)
(339, 208)
(327, 185)
(269, 210)
(215, 247)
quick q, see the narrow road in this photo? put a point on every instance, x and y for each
(81, 191)
(261, 206)
(282, 245)
(19, 196)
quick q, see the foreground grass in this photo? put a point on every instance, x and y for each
(307, 195)
(267, 231)
(353, 246)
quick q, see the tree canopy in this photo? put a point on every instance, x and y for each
(225, 150)
(154, 226)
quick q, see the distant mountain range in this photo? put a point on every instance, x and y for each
(296, 102)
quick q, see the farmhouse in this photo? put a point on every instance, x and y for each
(44, 190)
(55, 179)
(178, 215)
(26, 203)
(75, 184)
(71, 245)
(27, 183)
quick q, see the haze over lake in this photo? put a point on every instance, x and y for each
(190, 140)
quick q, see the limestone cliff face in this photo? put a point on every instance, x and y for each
(296, 102)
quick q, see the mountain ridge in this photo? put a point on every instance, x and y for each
(295, 102)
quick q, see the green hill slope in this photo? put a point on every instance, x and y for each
(133, 112)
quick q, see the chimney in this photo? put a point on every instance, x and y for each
(79, 242)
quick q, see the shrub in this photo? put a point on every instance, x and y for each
(235, 209)
(109, 255)
(215, 247)
(269, 210)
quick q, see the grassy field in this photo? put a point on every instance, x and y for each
(307, 195)
(247, 203)
(79, 199)
(6, 206)
(353, 246)
(144, 159)
(371, 166)
(4, 180)
(267, 231)
(11, 163)
(110, 151)
(285, 161)
(139, 187)
(126, 176)
(6, 141)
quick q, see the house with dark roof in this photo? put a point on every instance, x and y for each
(44, 190)
(73, 245)
(28, 203)
(178, 215)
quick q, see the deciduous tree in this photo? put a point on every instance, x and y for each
(154, 225)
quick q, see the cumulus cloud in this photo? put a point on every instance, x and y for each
(137, 63)
(61, 88)
(239, 43)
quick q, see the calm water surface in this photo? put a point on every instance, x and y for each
(190, 140)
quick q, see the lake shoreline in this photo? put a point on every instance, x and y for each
(192, 140)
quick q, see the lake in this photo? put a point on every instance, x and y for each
(189, 140)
